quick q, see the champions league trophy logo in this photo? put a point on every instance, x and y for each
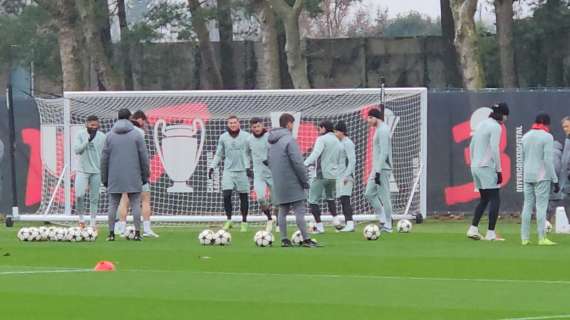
(179, 152)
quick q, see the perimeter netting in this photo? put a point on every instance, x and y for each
(183, 129)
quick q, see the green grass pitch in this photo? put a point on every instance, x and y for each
(432, 273)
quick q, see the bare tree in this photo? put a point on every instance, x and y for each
(107, 77)
(331, 23)
(66, 17)
(504, 16)
(207, 54)
(467, 43)
(270, 69)
(224, 15)
(452, 74)
(296, 60)
(125, 45)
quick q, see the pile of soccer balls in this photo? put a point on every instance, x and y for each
(219, 238)
(73, 234)
(372, 231)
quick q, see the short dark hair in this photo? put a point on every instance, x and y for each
(327, 124)
(124, 114)
(501, 108)
(92, 118)
(233, 116)
(255, 120)
(341, 126)
(542, 118)
(285, 119)
(567, 118)
(139, 114)
(376, 113)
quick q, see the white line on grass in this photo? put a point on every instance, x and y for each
(7, 273)
(562, 316)
(356, 276)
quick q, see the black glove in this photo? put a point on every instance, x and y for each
(92, 134)
(249, 173)
(105, 184)
(266, 163)
(377, 178)
(499, 178)
(306, 186)
(210, 173)
(556, 187)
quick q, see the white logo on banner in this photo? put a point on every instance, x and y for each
(179, 152)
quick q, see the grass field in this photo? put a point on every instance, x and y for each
(432, 273)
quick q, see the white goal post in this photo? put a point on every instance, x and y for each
(183, 129)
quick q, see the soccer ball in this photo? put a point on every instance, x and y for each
(61, 234)
(34, 234)
(297, 238)
(222, 238)
(89, 234)
(73, 234)
(130, 232)
(52, 234)
(338, 222)
(263, 239)
(207, 237)
(43, 233)
(547, 226)
(371, 232)
(311, 227)
(24, 234)
(404, 226)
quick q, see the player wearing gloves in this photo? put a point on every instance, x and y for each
(538, 176)
(486, 170)
(326, 158)
(232, 149)
(378, 186)
(88, 146)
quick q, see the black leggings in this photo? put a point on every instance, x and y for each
(346, 208)
(243, 204)
(491, 197)
(316, 210)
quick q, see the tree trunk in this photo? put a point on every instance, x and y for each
(65, 15)
(206, 50)
(107, 78)
(504, 15)
(296, 60)
(467, 43)
(125, 45)
(226, 39)
(270, 69)
(452, 74)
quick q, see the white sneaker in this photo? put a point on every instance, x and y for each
(387, 230)
(320, 228)
(473, 233)
(347, 228)
(492, 236)
(150, 234)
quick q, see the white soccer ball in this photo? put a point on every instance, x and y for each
(311, 227)
(548, 226)
(89, 234)
(263, 238)
(222, 238)
(297, 238)
(43, 233)
(130, 232)
(61, 234)
(24, 234)
(338, 222)
(404, 226)
(52, 234)
(34, 234)
(73, 234)
(371, 232)
(207, 237)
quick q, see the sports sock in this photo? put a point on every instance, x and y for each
(146, 226)
(244, 205)
(227, 194)
(494, 204)
(316, 212)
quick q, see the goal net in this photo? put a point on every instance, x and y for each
(183, 130)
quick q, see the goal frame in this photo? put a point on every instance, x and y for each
(67, 215)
